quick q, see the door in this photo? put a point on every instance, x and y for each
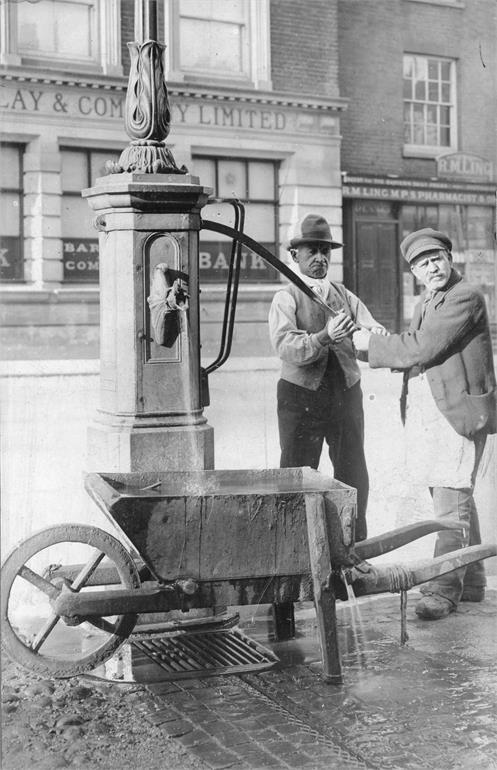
(377, 270)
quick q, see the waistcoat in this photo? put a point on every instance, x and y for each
(311, 318)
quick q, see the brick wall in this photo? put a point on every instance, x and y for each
(304, 46)
(469, 37)
(370, 75)
(373, 37)
(127, 31)
(128, 28)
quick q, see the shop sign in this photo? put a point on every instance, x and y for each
(11, 265)
(214, 260)
(413, 195)
(81, 262)
(95, 105)
(80, 259)
(464, 166)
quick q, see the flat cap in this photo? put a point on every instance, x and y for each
(311, 228)
(421, 241)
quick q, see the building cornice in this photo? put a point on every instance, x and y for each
(221, 94)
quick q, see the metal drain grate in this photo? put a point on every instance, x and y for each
(206, 653)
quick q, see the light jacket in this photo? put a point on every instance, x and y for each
(452, 344)
(294, 320)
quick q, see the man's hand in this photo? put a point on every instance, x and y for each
(339, 327)
(361, 340)
(379, 330)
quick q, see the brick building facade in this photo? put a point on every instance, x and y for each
(290, 105)
(419, 141)
(250, 116)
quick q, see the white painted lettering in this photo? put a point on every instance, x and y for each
(204, 260)
(257, 263)
(221, 262)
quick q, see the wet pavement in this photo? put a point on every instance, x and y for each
(429, 704)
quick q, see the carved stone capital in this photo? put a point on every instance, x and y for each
(147, 114)
(146, 157)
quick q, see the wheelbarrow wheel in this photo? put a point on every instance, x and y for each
(33, 635)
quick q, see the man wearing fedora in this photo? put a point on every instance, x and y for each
(450, 395)
(319, 393)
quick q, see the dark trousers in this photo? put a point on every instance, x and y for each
(333, 413)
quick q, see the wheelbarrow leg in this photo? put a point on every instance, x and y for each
(284, 621)
(324, 595)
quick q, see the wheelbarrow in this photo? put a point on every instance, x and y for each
(197, 540)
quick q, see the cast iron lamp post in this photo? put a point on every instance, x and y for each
(148, 213)
(147, 113)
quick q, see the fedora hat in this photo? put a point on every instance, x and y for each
(312, 228)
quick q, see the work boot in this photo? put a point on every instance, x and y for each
(473, 594)
(434, 607)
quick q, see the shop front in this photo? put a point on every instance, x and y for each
(380, 211)
(276, 153)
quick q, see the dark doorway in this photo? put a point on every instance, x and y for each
(377, 270)
(372, 263)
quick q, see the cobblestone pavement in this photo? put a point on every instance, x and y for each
(429, 704)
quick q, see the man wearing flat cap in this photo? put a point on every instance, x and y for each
(448, 403)
(319, 393)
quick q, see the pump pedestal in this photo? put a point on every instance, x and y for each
(150, 415)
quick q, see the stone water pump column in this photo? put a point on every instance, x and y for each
(150, 415)
(147, 211)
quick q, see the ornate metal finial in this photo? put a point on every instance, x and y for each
(147, 112)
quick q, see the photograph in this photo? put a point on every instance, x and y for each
(248, 396)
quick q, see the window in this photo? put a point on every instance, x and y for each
(222, 28)
(80, 169)
(429, 105)
(11, 214)
(58, 29)
(56, 33)
(235, 40)
(255, 183)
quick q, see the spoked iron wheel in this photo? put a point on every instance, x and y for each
(32, 634)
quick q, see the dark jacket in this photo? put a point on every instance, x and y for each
(452, 344)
